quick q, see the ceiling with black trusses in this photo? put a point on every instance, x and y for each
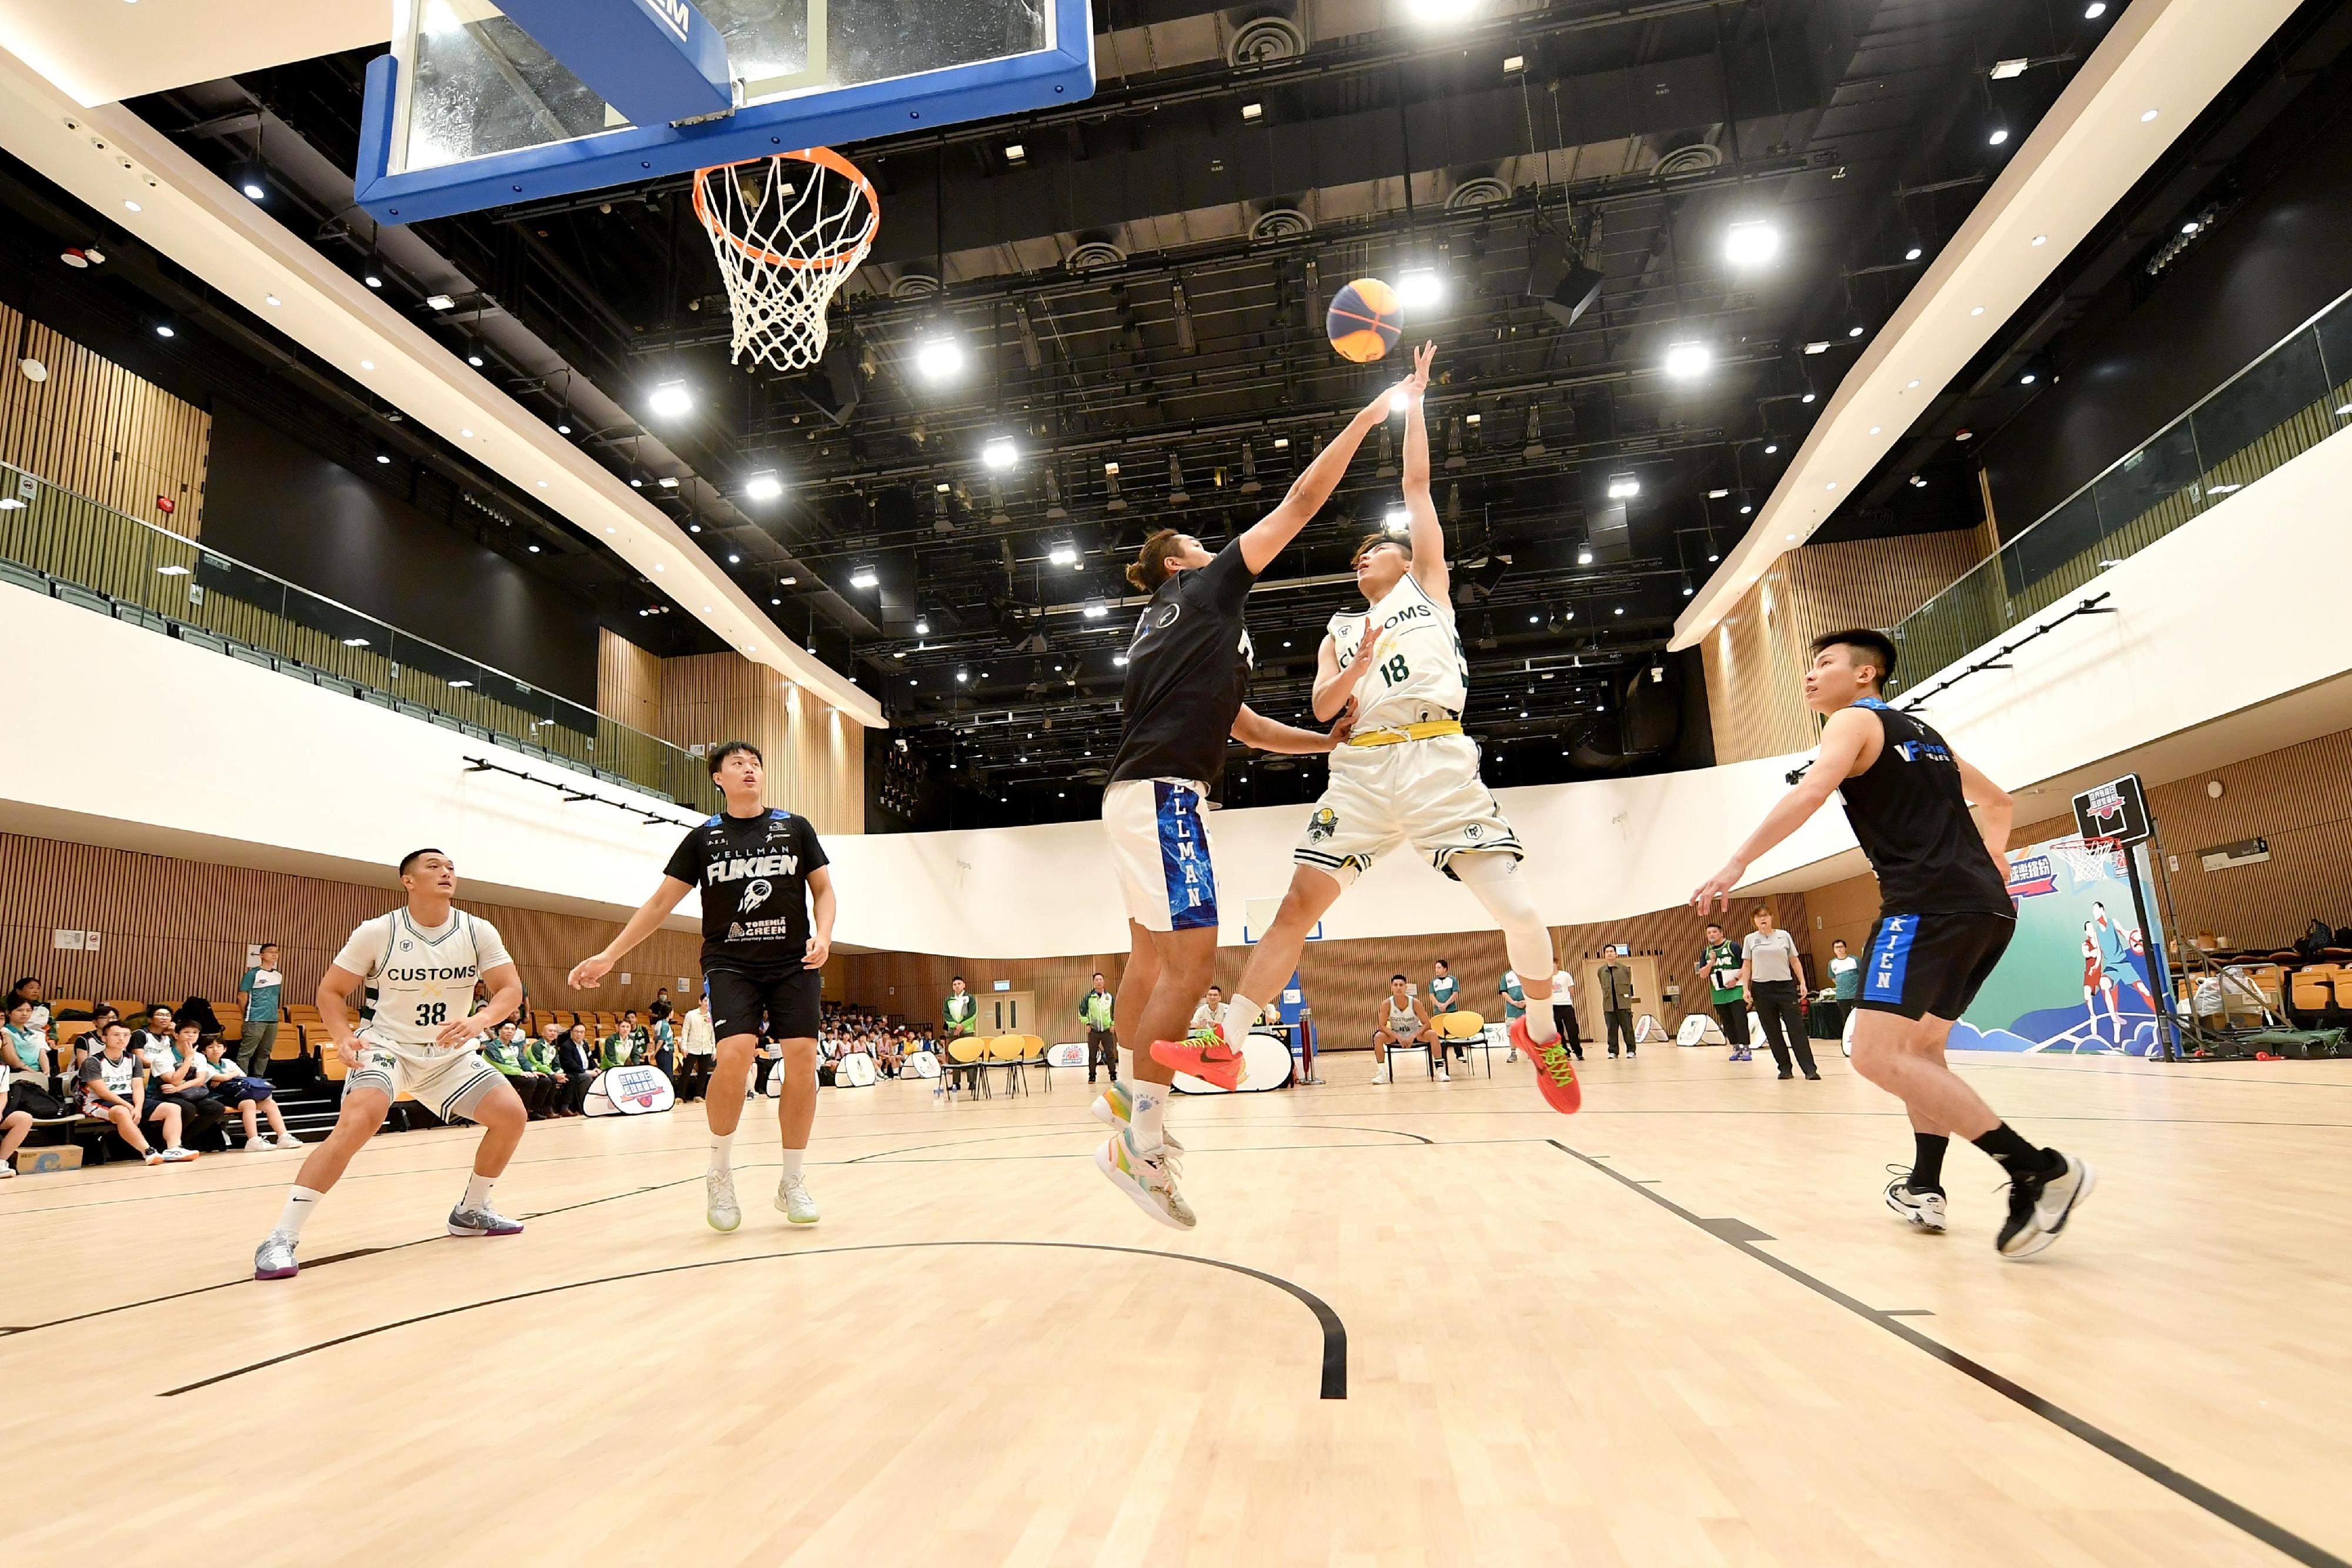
(1136, 287)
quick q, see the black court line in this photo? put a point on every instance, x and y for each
(1744, 1236)
(1334, 1383)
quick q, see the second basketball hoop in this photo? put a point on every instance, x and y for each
(787, 231)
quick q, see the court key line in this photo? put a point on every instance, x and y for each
(1334, 1383)
(1743, 1235)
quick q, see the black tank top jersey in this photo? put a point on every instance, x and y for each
(1188, 670)
(1912, 818)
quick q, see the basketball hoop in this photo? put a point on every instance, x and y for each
(2091, 859)
(787, 230)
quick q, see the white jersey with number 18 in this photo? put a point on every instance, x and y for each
(1417, 662)
(418, 979)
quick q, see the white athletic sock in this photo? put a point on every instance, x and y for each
(792, 1161)
(300, 1202)
(1542, 1027)
(722, 1151)
(1150, 1109)
(1240, 1018)
(478, 1190)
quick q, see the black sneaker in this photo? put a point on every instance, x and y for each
(2039, 1206)
(1786, 1073)
(1813, 1075)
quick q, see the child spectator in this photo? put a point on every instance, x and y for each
(226, 1081)
(174, 1075)
(113, 1089)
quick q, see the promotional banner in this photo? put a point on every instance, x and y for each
(2076, 978)
(629, 1091)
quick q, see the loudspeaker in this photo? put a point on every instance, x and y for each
(1561, 280)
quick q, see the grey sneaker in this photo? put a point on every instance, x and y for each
(1115, 1109)
(792, 1198)
(718, 1194)
(274, 1260)
(1148, 1179)
(482, 1221)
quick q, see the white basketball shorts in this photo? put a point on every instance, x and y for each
(1423, 793)
(449, 1085)
(1158, 831)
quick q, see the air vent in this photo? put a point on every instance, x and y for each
(1280, 223)
(1266, 41)
(1094, 253)
(915, 285)
(1697, 159)
(1482, 192)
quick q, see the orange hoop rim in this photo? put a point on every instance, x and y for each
(824, 157)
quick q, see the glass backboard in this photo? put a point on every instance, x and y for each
(470, 111)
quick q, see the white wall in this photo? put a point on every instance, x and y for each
(2213, 620)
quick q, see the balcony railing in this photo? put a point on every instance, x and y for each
(2282, 405)
(59, 543)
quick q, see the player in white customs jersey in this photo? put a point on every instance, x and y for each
(415, 1035)
(1407, 778)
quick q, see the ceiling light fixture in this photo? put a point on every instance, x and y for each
(1420, 289)
(1853, 331)
(764, 485)
(1252, 111)
(1999, 134)
(1685, 360)
(670, 399)
(1624, 486)
(1397, 520)
(1752, 243)
(163, 330)
(939, 359)
(2095, 10)
(355, 641)
(2002, 70)
(439, 302)
(863, 577)
(999, 453)
(1062, 552)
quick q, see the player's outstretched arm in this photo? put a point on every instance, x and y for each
(1272, 534)
(1259, 733)
(1995, 811)
(589, 972)
(1842, 743)
(1429, 568)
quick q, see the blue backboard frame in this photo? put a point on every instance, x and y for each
(1040, 79)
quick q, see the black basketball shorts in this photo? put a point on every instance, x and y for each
(786, 1004)
(1918, 965)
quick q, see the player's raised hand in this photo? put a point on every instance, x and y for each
(819, 950)
(1716, 890)
(589, 972)
(1423, 357)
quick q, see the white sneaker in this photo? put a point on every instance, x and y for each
(1924, 1209)
(256, 1144)
(288, 1141)
(719, 1195)
(792, 1198)
(2039, 1210)
(178, 1156)
(1513, 1056)
(1148, 1179)
(1115, 1108)
(1380, 1073)
(1444, 1076)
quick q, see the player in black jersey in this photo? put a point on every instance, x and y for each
(763, 874)
(1944, 918)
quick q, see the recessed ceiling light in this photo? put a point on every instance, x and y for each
(382, 458)
(1853, 331)
(1746, 509)
(2095, 10)
(2041, 239)
(372, 281)
(1914, 254)
(1977, 312)
(660, 566)
(2146, 117)
(134, 207)
(367, 364)
(1830, 486)
(534, 549)
(163, 330)
(542, 484)
(271, 300)
(2028, 379)
(1770, 447)
(1913, 386)
(1999, 134)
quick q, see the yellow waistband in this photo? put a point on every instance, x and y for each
(1428, 730)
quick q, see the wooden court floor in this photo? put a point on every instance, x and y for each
(1679, 1328)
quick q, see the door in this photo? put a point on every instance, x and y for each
(1008, 1012)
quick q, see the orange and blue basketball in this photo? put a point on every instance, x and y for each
(1364, 321)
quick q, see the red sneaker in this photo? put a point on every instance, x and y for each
(1205, 1055)
(1555, 1070)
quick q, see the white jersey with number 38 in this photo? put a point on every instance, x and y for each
(1417, 662)
(418, 980)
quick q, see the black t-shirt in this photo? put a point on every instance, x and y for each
(752, 873)
(1911, 816)
(1188, 669)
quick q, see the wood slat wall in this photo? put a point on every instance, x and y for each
(1344, 981)
(97, 429)
(628, 681)
(1756, 656)
(815, 756)
(170, 928)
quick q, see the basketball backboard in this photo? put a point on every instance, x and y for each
(477, 108)
(2117, 809)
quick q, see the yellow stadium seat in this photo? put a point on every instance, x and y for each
(968, 1049)
(1003, 1047)
(1458, 1026)
(130, 1009)
(60, 1006)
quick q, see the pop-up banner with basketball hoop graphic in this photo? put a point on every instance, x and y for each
(629, 1091)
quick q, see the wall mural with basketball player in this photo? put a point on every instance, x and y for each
(2076, 978)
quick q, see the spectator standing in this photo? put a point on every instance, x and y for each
(1563, 1010)
(578, 1059)
(260, 988)
(1444, 990)
(1773, 975)
(662, 1007)
(1719, 961)
(664, 1047)
(1617, 1004)
(540, 1056)
(700, 1053)
(1515, 1004)
(1102, 1036)
(113, 1089)
(228, 1084)
(1845, 982)
(961, 1011)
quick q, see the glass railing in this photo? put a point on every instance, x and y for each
(2282, 405)
(57, 542)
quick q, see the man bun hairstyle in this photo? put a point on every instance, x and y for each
(1875, 648)
(413, 856)
(1150, 568)
(728, 748)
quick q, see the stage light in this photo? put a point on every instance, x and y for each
(1751, 244)
(939, 359)
(1685, 360)
(670, 399)
(764, 486)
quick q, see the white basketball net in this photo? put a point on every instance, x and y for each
(787, 232)
(2089, 859)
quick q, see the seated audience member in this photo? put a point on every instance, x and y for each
(629, 1040)
(503, 1050)
(172, 1076)
(828, 1061)
(29, 989)
(891, 1054)
(578, 1059)
(540, 1056)
(157, 1031)
(113, 1084)
(226, 1081)
(26, 1057)
(87, 1043)
(1404, 1020)
(1211, 1010)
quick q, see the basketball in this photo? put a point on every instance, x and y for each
(1364, 321)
